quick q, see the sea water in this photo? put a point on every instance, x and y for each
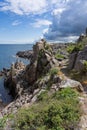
(8, 56)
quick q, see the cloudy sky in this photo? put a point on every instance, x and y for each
(24, 21)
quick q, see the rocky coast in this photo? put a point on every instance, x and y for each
(48, 68)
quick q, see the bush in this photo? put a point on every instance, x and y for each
(43, 96)
(60, 112)
(70, 48)
(58, 56)
(67, 93)
(75, 48)
(54, 71)
(48, 47)
(85, 66)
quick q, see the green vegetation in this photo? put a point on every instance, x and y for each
(43, 96)
(59, 56)
(48, 47)
(85, 67)
(58, 111)
(54, 71)
(79, 75)
(5, 119)
(70, 48)
(75, 48)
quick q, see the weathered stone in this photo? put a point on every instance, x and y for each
(25, 54)
(72, 60)
(76, 60)
(31, 72)
(34, 99)
(81, 57)
(72, 84)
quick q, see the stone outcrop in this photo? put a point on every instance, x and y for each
(72, 84)
(27, 82)
(25, 54)
(20, 77)
(43, 60)
(77, 59)
(81, 57)
(13, 78)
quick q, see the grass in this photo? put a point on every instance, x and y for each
(59, 56)
(54, 71)
(58, 111)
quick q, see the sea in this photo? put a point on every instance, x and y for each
(7, 57)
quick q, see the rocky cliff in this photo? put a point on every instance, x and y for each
(43, 73)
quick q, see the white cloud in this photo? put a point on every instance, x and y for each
(22, 7)
(69, 17)
(58, 11)
(41, 22)
(45, 31)
(16, 22)
(69, 23)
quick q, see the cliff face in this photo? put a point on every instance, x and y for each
(21, 77)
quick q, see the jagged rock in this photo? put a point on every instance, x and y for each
(82, 55)
(81, 37)
(25, 54)
(42, 61)
(13, 77)
(56, 79)
(72, 84)
(76, 60)
(72, 60)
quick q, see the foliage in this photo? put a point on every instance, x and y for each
(2, 122)
(66, 93)
(70, 48)
(85, 66)
(5, 119)
(48, 47)
(43, 96)
(58, 55)
(59, 112)
(75, 48)
(54, 71)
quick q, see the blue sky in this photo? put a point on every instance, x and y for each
(24, 21)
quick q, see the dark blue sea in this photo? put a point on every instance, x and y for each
(7, 56)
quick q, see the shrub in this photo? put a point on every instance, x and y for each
(48, 47)
(43, 96)
(85, 66)
(58, 55)
(60, 112)
(70, 48)
(66, 94)
(54, 71)
(75, 48)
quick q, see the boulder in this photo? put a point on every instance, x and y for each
(81, 57)
(72, 84)
(77, 59)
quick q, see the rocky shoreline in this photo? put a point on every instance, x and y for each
(27, 82)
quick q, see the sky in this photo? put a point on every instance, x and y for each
(25, 21)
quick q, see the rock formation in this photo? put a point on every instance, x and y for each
(27, 82)
(77, 59)
(25, 54)
(43, 60)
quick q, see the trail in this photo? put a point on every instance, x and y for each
(83, 98)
